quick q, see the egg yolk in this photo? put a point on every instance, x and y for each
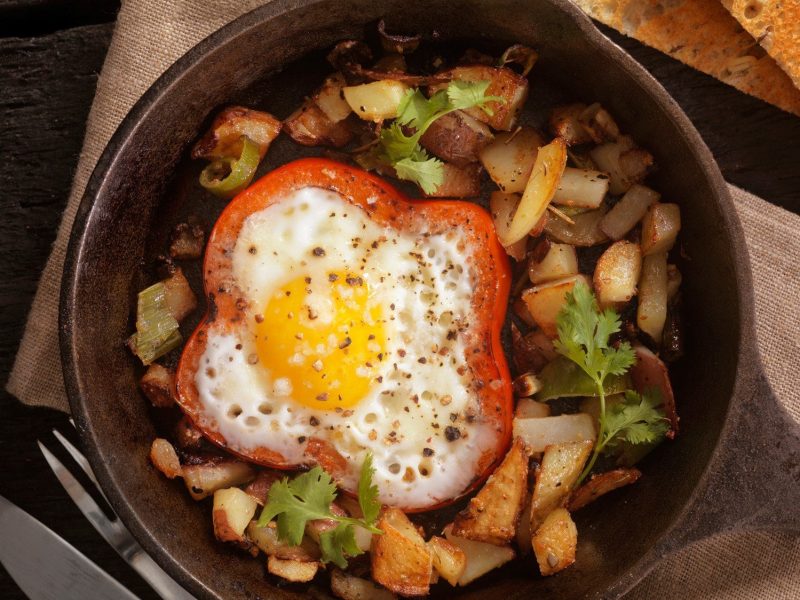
(322, 342)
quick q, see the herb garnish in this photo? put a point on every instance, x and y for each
(583, 337)
(308, 497)
(403, 152)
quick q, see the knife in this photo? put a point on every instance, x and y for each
(45, 566)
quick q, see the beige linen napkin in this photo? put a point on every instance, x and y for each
(151, 34)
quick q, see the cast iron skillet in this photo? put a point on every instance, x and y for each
(736, 463)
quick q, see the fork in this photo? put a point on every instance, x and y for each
(113, 531)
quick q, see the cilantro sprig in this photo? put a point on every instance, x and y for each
(416, 112)
(307, 497)
(583, 337)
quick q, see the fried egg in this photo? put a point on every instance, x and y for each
(350, 335)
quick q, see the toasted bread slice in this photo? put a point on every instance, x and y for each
(703, 35)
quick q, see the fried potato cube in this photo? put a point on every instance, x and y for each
(179, 295)
(377, 100)
(158, 384)
(617, 273)
(165, 459)
(448, 559)
(561, 466)
(309, 125)
(233, 510)
(347, 587)
(292, 570)
(546, 301)
(401, 560)
(205, 479)
(554, 543)
(492, 515)
(224, 138)
(481, 557)
(660, 226)
(266, 538)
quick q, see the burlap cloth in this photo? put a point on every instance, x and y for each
(151, 34)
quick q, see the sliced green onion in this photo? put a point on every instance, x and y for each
(156, 329)
(227, 177)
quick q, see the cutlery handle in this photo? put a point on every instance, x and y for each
(163, 584)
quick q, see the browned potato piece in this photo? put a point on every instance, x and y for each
(509, 158)
(651, 314)
(504, 83)
(266, 538)
(481, 557)
(456, 138)
(599, 123)
(565, 123)
(561, 466)
(401, 561)
(310, 126)
(581, 188)
(526, 385)
(233, 510)
(626, 213)
(224, 139)
(524, 534)
(165, 459)
(180, 297)
(491, 516)
(625, 163)
(377, 100)
(540, 432)
(649, 372)
(546, 301)
(187, 435)
(330, 99)
(528, 408)
(660, 227)
(292, 570)
(617, 273)
(584, 231)
(186, 241)
(203, 480)
(459, 182)
(502, 206)
(347, 587)
(554, 543)
(560, 261)
(158, 384)
(259, 487)
(601, 484)
(448, 559)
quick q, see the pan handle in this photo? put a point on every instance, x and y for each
(754, 477)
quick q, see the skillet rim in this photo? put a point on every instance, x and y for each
(747, 364)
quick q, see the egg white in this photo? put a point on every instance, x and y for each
(423, 385)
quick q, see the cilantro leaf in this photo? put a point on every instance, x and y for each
(466, 94)
(636, 420)
(308, 497)
(427, 173)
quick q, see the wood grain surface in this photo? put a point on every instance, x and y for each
(47, 84)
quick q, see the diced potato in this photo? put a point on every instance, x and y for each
(401, 560)
(532, 351)
(560, 261)
(448, 559)
(233, 510)
(491, 515)
(158, 384)
(650, 372)
(377, 100)
(626, 213)
(266, 538)
(602, 484)
(165, 459)
(509, 158)
(458, 182)
(565, 123)
(187, 436)
(502, 206)
(179, 295)
(310, 126)
(456, 138)
(555, 542)
(583, 188)
(539, 190)
(584, 231)
(526, 385)
(652, 310)
(660, 227)
(560, 469)
(330, 99)
(617, 273)
(546, 301)
(481, 557)
(674, 280)
(224, 138)
(292, 570)
(205, 479)
(347, 587)
(540, 432)
(528, 408)
(524, 534)
(259, 487)
(503, 82)
(599, 123)
(623, 161)
(186, 241)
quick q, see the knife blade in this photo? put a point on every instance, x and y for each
(45, 566)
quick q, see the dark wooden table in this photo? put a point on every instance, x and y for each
(51, 52)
